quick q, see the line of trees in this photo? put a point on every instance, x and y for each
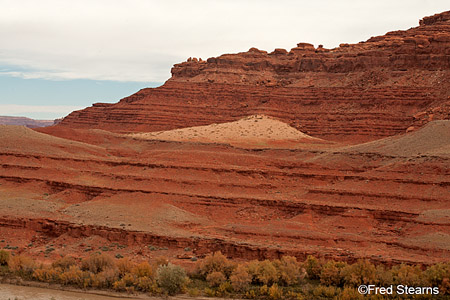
(217, 276)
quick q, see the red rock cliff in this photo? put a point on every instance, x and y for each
(362, 91)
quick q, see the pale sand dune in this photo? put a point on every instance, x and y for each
(252, 130)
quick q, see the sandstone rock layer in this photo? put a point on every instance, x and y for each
(359, 92)
(380, 200)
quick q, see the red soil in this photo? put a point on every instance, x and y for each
(82, 185)
(365, 201)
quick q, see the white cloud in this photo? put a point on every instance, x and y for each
(140, 40)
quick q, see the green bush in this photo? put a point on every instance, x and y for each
(171, 278)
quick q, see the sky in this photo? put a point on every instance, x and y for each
(57, 56)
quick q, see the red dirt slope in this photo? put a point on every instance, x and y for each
(321, 199)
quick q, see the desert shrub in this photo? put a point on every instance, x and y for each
(331, 273)
(407, 275)
(97, 263)
(383, 276)
(215, 278)
(22, 265)
(146, 284)
(107, 277)
(288, 270)
(47, 274)
(313, 267)
(435, 274)
(91, 280)
(251, 294)
(444, 286)
(171, 278)
(361, 272)
(209, 292)
(224, 289)
(267, 273)
(252, 269)
(4, 258)
(264, 290)
(125, 283)
(194, 292)
(124, 265)
(294, 296)
(349, 293)
(275, 292)
(216, 262)
(73, 276)
(240, 278)
(327, 292)
(64, 263)
(143, 269)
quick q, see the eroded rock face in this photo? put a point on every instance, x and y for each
(386, 200)
(358, 91)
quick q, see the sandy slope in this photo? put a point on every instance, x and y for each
(433, 139)
(255, 130)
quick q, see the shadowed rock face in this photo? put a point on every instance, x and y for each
(360, 92)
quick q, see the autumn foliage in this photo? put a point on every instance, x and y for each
(217, 276)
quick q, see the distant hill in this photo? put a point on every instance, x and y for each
(23, 121)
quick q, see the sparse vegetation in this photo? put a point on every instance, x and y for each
(171, 278)
(4, 258)
(216, 276)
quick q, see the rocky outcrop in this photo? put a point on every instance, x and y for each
(358, 91)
